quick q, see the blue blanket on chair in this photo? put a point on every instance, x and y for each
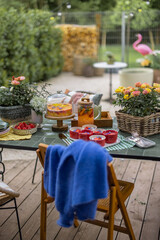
(77, 177)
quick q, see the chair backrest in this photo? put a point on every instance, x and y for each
(119, 192)
(41, 151)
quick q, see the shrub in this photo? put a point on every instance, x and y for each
(29, 45)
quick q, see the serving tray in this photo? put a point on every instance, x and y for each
(105, 121)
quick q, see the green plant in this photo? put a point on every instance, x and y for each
(155, 59)
(38, 104)
(20, 92)
(110, 57)
(30, 44)
(140, 101)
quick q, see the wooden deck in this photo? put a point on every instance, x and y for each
(143, 205)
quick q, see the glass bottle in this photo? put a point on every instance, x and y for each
(85, 112)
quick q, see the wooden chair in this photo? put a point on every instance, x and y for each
(118, 193)
(7, 195)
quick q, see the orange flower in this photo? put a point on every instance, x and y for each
(157, 89)
(131, 89)
(136, 93)
(15, 82)
(143, 85)
(127, 92)
(138, 84)
(147, 85)
(148, 90)
(145, 92)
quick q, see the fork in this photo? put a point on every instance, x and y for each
(64, 139)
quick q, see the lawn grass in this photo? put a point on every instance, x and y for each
(116, 50)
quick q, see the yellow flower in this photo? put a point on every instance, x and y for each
(126, 96)
(156, 85)
(145, 63)
(119, 90)
(148, 90)
(143, 85)
(52, 18)
(148, 86)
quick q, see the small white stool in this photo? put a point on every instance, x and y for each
(129, 76)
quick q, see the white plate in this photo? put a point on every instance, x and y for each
(73, 139)
(106, 145)
(112, 144)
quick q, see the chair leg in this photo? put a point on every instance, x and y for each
(126, 220)
(19, 228)
(43, 212)
(76, 223)
(35, 167)
(111, 213)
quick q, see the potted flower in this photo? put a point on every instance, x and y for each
(140, 108)
(15, 99)
(155, 64)
(110, 57)
(38, 105)
(145, 63)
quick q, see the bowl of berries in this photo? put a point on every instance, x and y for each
(111, 136)
(74, 132)
(100, 139)
(85, 134)
(24, 128)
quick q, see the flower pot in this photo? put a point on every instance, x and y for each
(99, 71)
(156, 76)
(13, 114)
(88, 71)
(129, 76)
(36, 118)
(144, 126)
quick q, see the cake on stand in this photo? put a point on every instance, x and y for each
(59, 127)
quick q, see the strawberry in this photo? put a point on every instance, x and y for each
(32, 125)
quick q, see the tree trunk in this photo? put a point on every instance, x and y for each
(151, 39)
(104, 37)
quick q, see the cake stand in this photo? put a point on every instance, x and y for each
(60, 126)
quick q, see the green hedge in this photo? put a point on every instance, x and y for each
(30, 45)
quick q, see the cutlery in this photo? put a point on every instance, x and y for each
(63, 137)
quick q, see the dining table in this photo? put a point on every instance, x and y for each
(49, 137)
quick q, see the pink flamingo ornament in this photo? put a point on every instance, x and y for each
(141, 48)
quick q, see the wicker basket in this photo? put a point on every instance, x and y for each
(13, 114)
(145, 126)
(25, 131)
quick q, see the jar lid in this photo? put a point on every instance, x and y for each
(58, 94)
(56, 97)
(85, 101)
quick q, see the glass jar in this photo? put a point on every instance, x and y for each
(56, 98)
(85, 112)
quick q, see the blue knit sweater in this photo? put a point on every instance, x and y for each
(77, 177)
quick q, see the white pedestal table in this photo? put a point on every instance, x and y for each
(110, 67)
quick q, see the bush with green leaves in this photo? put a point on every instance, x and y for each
(30, 45)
